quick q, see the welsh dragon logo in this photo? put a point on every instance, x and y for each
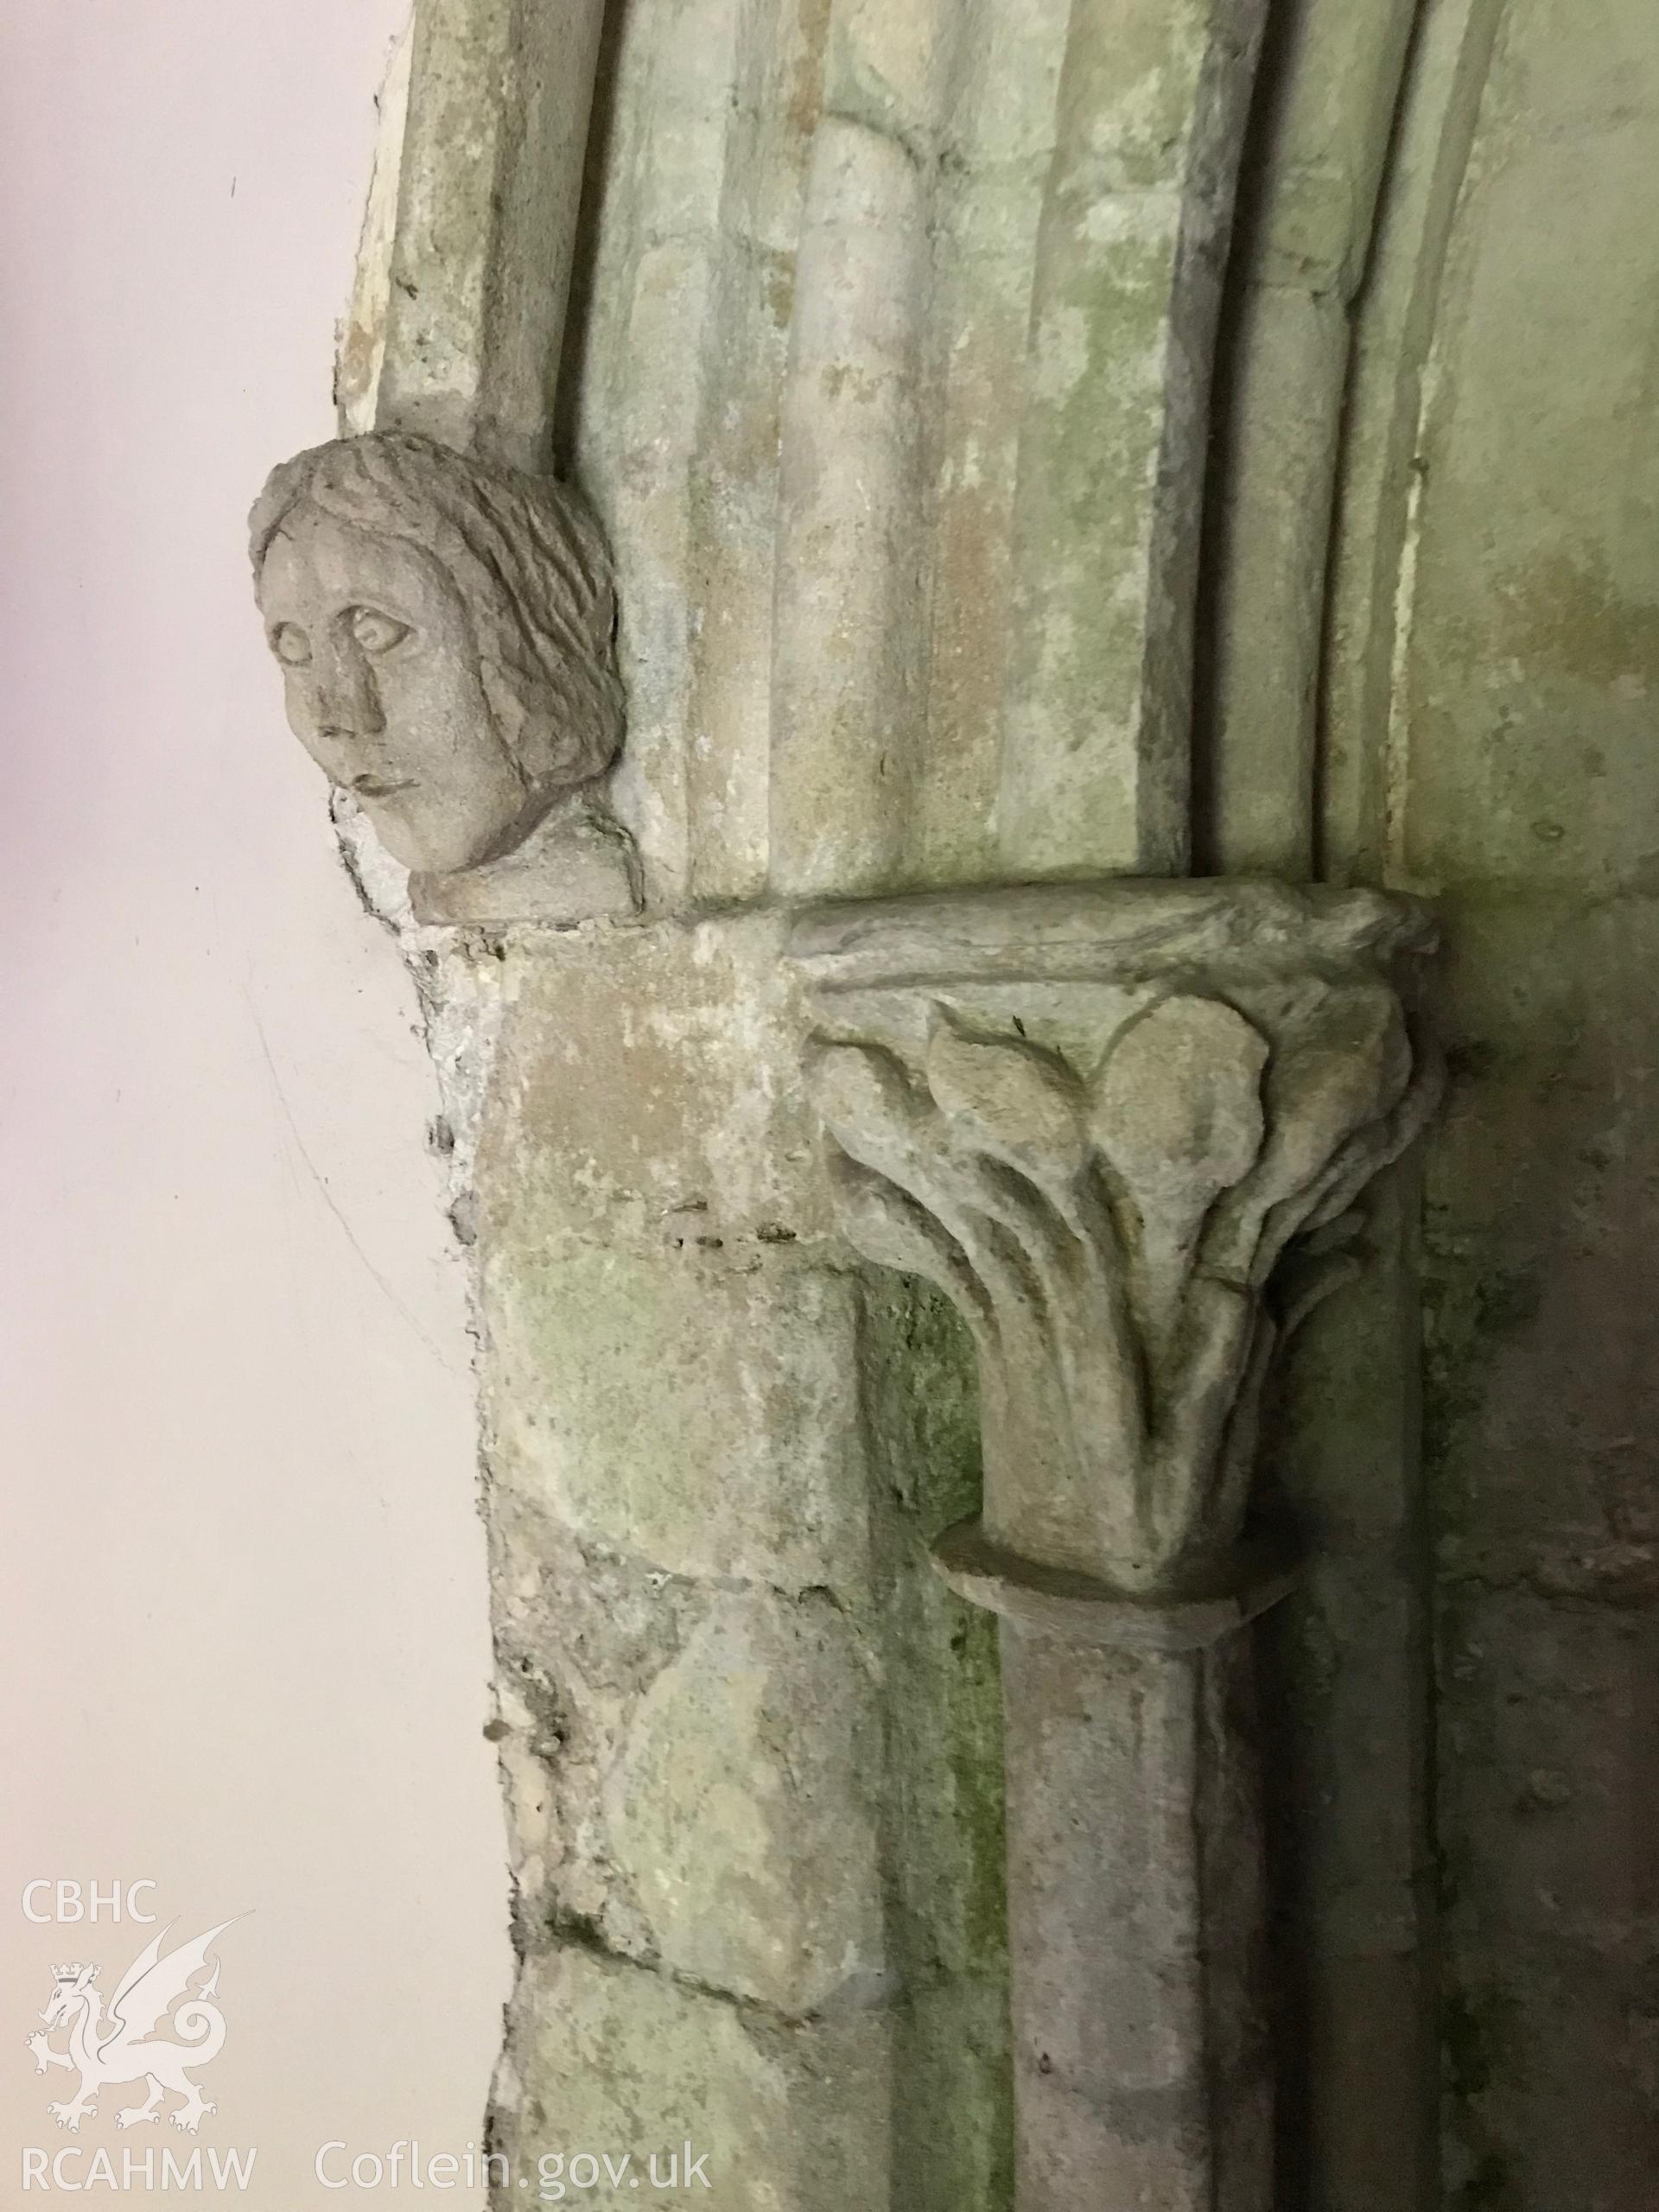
(121, 2049)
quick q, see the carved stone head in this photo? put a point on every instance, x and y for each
(446, 632)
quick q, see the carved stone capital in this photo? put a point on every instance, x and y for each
(1123, 1126)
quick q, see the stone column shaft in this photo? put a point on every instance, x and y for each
(1136, 1923)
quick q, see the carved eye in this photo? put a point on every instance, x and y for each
(375, 632)
(290, 645)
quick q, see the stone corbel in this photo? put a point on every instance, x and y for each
(446, 629)
(1124, 1127)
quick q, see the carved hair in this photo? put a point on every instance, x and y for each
(528, 562)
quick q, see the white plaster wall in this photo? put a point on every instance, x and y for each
(242, 1590)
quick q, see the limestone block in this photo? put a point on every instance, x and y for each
(1150, 113)
(1542, 1366)
(1548, 1745)
(855, 502)
(581, 1635)
(697, 1416)
(481, 254)
(849, 620)
(647, 1094)
(732, 481)
(361, 351)
(1525, 795)
(745, 1809)
(795, 2116)
(655, 376)
(1536, 633)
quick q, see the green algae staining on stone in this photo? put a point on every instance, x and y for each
(1472, 2031)
(946, 1905)
(792, 2114)
(1473, 1310)
(1538, 1365)
(922, 1421)
(619, 1379)
(753, 1757)
(1475, 2031)
(1149, 118)
(745, 1809)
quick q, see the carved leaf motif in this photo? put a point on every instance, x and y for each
(1009, 1096)
(863, 1096)
(887, 1226)
(1348, 1067)
(1128, 1248)
(1179, 1100)
(1315, 1265)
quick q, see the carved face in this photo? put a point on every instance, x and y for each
(384, 690)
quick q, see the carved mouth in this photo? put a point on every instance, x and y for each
(376, 787)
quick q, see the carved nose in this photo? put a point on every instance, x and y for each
(348, 716)
(345, 703)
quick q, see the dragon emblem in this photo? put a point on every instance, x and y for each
(121, 2049)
